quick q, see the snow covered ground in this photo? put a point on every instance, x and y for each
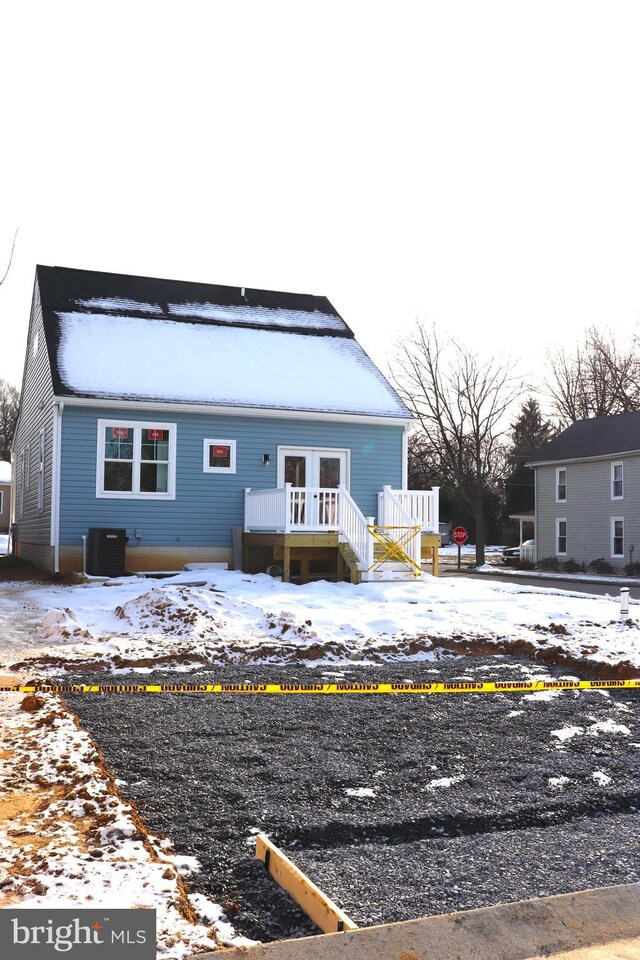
(213, 616)
(65, 835)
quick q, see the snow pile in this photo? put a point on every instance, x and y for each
(67, 839)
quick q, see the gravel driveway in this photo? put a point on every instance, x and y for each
(396, 806)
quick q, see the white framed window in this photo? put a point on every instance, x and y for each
(617, 481)
(617, 536)
(561, 484)
(561, 537)
(27, 466)
(21, 486)
(41, 469)
(136, 459)
(219, 456)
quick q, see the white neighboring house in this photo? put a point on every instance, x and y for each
(5, 496)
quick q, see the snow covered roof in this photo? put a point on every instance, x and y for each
(136, 338)
(5, 471)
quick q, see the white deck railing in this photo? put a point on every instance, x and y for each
(266, 509)
(528, 553)
(292, 509)
(315, 509)
(393, 515)
(423, 506)
(354, 529)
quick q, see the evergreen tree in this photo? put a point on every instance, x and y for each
(529, 433)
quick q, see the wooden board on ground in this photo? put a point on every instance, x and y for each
(318, 907)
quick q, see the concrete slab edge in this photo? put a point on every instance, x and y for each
(511, 931)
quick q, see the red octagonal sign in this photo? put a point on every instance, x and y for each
(459, 536)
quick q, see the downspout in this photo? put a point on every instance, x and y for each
(405, 457)
(58, 407)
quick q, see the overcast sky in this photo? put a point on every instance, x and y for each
(475, 163)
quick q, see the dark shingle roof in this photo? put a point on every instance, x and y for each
(112, 336)
(596, 437)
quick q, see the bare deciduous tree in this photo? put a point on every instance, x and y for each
(9, 400)
(13, 246)
(459, 401)
(600, 378)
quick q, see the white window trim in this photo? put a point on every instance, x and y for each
(41, 454)
(232, 444)
(1, 501)
(566, 484)
(618, 463)
(560, 520)
(137, 426)
(614, 520)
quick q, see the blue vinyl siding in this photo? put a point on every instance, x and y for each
(207, 505)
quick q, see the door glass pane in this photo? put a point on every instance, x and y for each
(329, 472)
(295, 471)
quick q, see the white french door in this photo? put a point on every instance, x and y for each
(314, 474)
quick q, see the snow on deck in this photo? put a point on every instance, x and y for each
(154, 359)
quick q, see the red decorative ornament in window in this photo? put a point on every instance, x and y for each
(120, 433)
(219, 452)
(156, 434)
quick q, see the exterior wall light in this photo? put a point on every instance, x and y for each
(266, 459)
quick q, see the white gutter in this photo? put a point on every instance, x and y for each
(215, 410)
(617, 455)
(56, 446)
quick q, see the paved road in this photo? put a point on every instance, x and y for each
(557, 583)
(396, 806)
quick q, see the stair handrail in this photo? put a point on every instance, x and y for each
(354, 529)
(391, 513)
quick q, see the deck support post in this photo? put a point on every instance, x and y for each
(286, 573)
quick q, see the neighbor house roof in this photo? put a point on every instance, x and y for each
(5, 471)
(596, 437)
(111, 336)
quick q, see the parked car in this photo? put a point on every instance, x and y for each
(444, 529)
(511, 555)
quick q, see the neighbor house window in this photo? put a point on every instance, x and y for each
(219, 456)
(617, 537)
(22, 486)
(136, 459)
(41, 470)
(561, 536)
(561, 484)
(617, 481)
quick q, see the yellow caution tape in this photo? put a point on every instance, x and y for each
(467, 686)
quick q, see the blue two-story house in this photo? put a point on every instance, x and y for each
(182, 412)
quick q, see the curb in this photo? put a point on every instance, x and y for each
(514, 931)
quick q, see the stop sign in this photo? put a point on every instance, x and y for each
(459, 536)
